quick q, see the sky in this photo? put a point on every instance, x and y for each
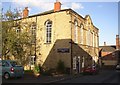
(104, 13)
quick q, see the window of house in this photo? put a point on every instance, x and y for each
(18, 30)
(88, 38)
(33, 33)
(93, 39)
(81, 34)
(48, 31)
(76, 32)
(33, 30)
(96, 40)
(74, 62)
(86, 32)
(32, 60)
(83, 62)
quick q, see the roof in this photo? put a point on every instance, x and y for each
(109, 57)
(52, 11)
(43, 13)
(108, 48)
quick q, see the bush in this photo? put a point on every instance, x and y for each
(60, 67)
(36, 69)
(28, 72)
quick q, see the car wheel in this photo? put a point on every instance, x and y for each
(6, 75)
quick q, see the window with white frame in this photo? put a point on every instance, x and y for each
(88, 37)
(86, 32)
(32, 60)
(83, 62)
(93, 39)
(33, 33)
(96, 41)
(74, 62)
(48, 31)
(76, 32)
(18, 30)
(81, 34)
(33, 30)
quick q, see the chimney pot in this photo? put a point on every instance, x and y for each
(104, 43)
(117, 42)
(25, 12)
(57, 6)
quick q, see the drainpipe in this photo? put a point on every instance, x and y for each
(35, 39)
(71, 47)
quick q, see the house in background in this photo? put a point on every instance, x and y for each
(110, 53)
(62, 34)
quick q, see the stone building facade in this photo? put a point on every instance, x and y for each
(63, 34)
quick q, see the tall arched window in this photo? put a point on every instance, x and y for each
(81, 34)
(48, 25)
(96, 40)
(93, 39)
(88, 38)
(76, 31)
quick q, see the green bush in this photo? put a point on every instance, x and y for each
(60, 67)
(36, 69)
(28, 71)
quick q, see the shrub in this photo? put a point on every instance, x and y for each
(36, 69)
(60, 67)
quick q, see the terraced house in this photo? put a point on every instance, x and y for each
(62, 34)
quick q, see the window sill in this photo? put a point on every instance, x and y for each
(48, 43)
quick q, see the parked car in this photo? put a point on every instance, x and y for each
(118, 67)
(90, 70)
(10, 69)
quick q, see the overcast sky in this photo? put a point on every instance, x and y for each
(104, 13)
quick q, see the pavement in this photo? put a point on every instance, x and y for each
(30, 78)
(63, 77)
(57, 78)
(53, 79)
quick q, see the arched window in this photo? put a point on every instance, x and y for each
(96, 40)
(81, 34)
(88, 38)
(93, 39)
(48, 26)
(76, 31)
(33, 33)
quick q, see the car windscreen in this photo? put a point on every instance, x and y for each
(13, 63)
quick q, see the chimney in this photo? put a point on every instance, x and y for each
(57, 6)
(117, 42)
(104, 43)
(25, 12)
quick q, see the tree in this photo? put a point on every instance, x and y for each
(7, 38)
(15, 42)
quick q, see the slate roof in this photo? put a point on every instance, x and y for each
(111, 48)
(52, 11)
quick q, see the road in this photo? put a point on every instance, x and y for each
(104, 76)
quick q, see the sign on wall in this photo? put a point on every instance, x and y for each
(63, 50)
